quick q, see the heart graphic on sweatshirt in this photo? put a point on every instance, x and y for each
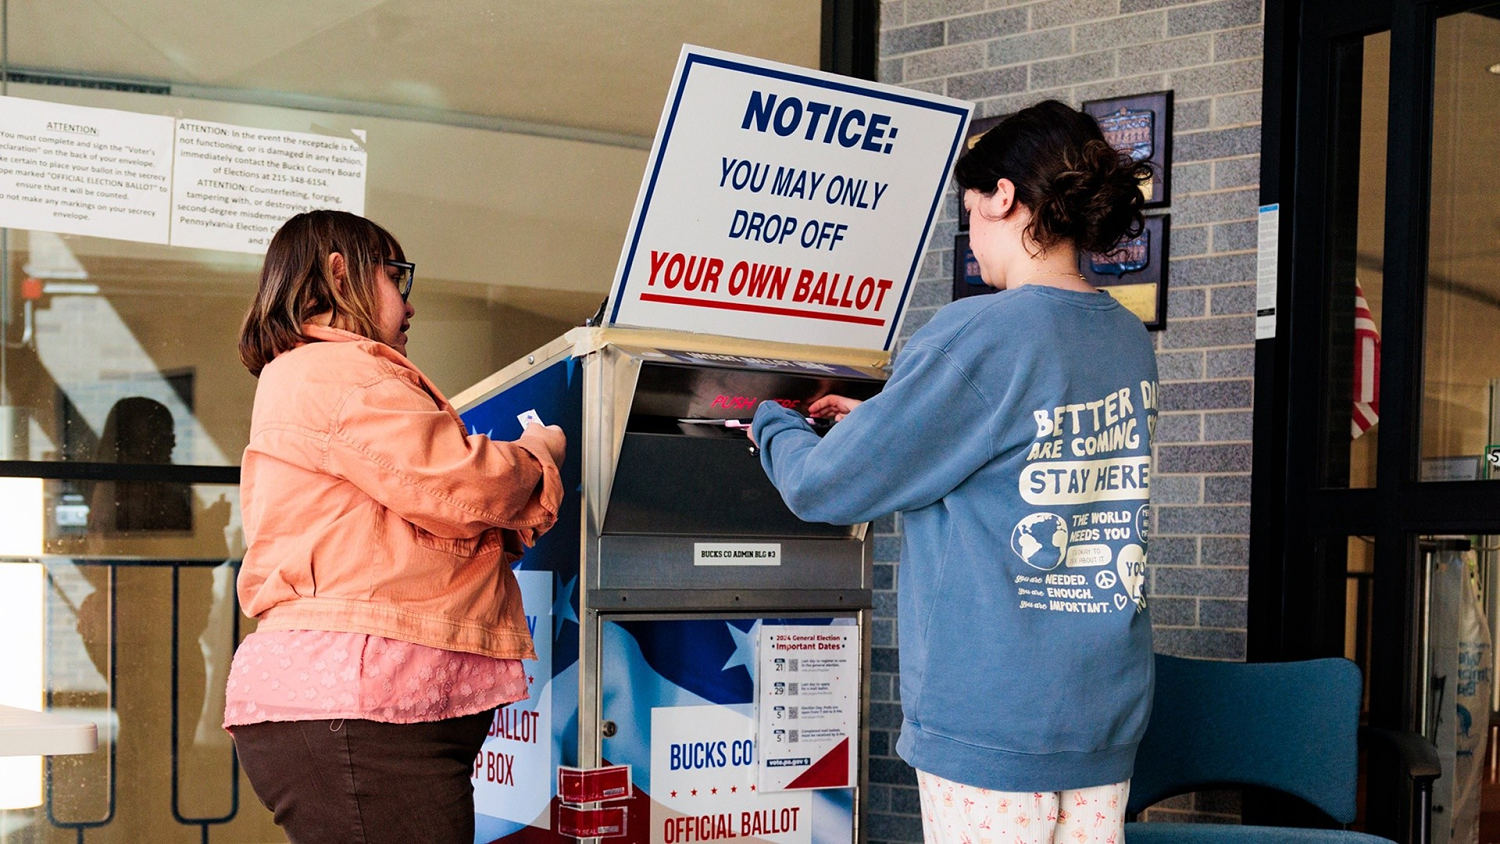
(1131, 565)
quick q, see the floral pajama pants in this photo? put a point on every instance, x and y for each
(962, 814)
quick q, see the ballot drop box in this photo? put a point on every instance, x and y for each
(703, 653)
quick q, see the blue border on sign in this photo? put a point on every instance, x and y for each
(728, 64)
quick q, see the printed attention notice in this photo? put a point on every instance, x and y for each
(90, 171)
(108, 173)
(235, 186)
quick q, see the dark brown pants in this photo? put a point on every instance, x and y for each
(364, 781)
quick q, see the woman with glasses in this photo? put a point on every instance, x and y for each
(379, 536)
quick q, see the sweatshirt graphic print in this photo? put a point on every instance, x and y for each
(1087, 477)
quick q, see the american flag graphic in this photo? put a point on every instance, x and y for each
(1366, 366)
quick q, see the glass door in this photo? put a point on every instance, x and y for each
(1459, 432)
(1378, 398)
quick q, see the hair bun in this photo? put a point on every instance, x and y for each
(1077, 187)
(1095, 199)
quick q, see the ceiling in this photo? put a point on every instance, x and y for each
(593, 65)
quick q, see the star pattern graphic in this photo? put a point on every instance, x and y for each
(744, 648)
(562, 605)
(711, 791)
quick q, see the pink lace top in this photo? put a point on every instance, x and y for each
(308, 675)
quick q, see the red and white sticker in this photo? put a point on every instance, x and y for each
(592, 785)
(606, 822)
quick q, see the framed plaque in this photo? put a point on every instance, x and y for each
(1135, 272)
(977, 128)
(966, 279)
(1141, 124)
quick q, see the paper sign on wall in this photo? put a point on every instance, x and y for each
(91, 171)
(234, 186)
(107, 173)
(1268, 237)
(781, 203)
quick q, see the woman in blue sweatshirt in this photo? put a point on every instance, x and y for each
(1014, 437)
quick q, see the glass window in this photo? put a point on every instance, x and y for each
(1356, 257)
(509, 176)
(1363, 308)
(1461, 365)
(503, 146)
(97, 320)
(1359, 604)
(131, 620)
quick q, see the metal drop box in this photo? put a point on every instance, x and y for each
(673, 556)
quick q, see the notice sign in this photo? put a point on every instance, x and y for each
(235, 186)
(1268, 238)
(89, 171)
(785, 204)
(807, 706)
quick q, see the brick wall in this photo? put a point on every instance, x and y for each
(1003, 55)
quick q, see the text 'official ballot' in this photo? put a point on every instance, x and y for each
(784, 204)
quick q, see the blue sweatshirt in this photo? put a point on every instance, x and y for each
(1014, 436)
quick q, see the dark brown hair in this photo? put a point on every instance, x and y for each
(296, 282)
(1077, 187)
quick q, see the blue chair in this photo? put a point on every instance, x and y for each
(1290, 727)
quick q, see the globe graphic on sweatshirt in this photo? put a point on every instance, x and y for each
(1041, 540)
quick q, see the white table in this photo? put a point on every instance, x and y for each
(25, 732)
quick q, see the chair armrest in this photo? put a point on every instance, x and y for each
(1418, 756)
(1417, 761)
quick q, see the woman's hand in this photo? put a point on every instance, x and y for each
(833, 407)
(552, 438)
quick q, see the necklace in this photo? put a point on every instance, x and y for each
(1069, 276)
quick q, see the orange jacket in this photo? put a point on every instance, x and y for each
(368, 508)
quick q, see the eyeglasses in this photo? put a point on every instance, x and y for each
(406, 271)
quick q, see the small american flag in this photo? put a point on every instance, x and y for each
(1366, 366)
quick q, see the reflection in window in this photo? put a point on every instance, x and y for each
(138, 430)
(1359, 306)
(140, 644)
(1462, 360)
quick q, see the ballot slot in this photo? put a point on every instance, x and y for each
(682, 471)
(688, 399)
